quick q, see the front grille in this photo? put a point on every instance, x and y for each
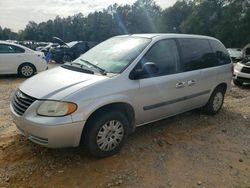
(21, 102)
(246, 70)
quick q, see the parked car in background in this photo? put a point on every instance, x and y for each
(47, 48)
(236, 54)
(17, 59)
(32, 44)
(67, 52)
(242, 68)
(242, 72)
(120, 84)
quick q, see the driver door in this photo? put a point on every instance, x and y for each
(160, 94)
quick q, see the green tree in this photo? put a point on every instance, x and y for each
(174, 16)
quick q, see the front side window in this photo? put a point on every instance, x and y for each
(196, 53)
(115, 54)
(4, 48)
(165, 55)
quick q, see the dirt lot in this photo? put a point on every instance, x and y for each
(189, 150)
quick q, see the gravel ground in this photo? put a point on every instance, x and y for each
(188, 150)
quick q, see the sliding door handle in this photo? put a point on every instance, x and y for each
(191, 82)
(180, 84)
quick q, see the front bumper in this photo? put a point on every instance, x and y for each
(243, 77)
(52, 136)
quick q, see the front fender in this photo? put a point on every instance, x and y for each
(85, 110)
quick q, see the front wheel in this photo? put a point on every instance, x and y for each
(106, 134)
(215, 102)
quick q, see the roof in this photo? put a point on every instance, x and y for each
(168, 35)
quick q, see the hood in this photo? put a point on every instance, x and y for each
(59, 41)
(57, 83)
(247, 63)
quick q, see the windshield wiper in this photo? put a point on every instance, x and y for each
(78, 67)
(75, 63)
(101, 70)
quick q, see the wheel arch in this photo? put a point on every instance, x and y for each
(124, 107)
(23, 63)
(223, 85)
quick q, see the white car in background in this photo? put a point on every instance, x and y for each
(242, 72)
(236, 54)
(17, 59)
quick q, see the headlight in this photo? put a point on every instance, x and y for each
(56, 108)
(237, 67)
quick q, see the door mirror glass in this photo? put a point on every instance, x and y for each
(149, 68)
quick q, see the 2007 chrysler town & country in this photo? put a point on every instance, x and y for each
(122, 83)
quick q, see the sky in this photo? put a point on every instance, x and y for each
(15, 14)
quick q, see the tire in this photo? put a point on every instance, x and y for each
(26, 70)
(237, 82)
(66, 58)
(215, 102)
(106, 133)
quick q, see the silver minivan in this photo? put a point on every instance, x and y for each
(122, 83)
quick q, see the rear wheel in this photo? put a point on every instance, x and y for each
(26, 70)
(105, 134)
(215, 102)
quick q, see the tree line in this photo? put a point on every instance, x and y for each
(227, 20)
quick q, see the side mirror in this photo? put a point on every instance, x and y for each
(149, 68)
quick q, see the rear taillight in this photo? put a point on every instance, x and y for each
(232, 69)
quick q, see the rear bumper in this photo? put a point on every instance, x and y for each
(42, 66)
(51, 136)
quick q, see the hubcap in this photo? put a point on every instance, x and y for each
(218, 99)
(110, 135)
(27, 70)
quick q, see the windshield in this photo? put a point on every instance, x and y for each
(115, 54)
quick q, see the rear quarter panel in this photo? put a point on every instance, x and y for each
(38, 61)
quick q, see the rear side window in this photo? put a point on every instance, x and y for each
(196, 54)
(221, 54)
(18, 49)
